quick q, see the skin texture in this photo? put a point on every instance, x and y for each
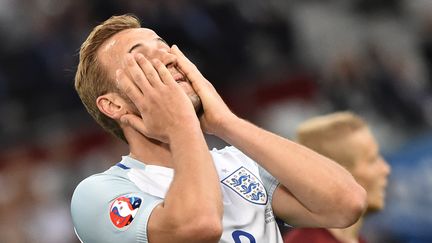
(156, 108)
(370, 170)
(162, 128)
(145, 42)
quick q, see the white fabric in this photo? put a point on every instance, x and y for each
(242, 219)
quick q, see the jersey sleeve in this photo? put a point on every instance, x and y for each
(269, 182)
(106, 208)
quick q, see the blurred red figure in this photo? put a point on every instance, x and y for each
(345, 138)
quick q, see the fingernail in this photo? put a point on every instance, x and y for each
(118, 72)
(139, 56)
(123, 119)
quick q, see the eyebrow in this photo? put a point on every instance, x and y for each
(139, 44)
(162, 40)
(134, 47)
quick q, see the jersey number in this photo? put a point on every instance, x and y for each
(238, 233)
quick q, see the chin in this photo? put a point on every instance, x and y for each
(375, 207)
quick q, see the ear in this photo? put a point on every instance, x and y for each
(112, 105)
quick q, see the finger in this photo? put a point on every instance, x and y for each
(163, 72)
(149, 71)
(188, 68)
(135, 122)
(137, 75)
(127, 86)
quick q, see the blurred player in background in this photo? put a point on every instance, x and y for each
(345, 138)
(171, 188)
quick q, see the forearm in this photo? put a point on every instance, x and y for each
(195, 189)
(317, 182)
(297, 168)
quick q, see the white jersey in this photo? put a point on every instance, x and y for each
(115, 206)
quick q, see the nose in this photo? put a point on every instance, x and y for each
(386, 167)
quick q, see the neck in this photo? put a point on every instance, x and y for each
(350, 234)
(148, 150)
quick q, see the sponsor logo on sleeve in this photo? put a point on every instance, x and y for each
(123, 210)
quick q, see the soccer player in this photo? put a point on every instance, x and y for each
(345, 138)
(170, 187)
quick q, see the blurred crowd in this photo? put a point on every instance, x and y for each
(275, 62)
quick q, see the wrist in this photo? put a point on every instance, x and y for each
(184, 129)
(227, 125)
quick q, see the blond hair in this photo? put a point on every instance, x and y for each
(328, 135)
(91, 79)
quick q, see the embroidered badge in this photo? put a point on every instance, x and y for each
(247, 185)
(123, 210)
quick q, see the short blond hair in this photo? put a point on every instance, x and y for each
(327, 135)
(91, 78)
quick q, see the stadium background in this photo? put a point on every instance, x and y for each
(275, 62)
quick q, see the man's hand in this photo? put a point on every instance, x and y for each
(216, 112)
(163, 106)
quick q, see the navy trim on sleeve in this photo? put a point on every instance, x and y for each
(124, 167)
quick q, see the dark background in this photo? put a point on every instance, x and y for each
(274, 62)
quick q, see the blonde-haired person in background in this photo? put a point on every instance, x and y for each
(170, 187)
(345, 138)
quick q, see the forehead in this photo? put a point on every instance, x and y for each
(125, 39)
(114, 48)
(111, 52)
(364, 143)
